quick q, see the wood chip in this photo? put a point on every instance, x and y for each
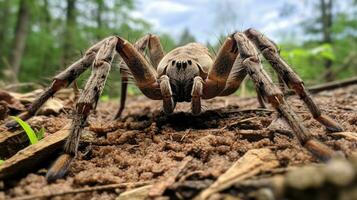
(25, 160)
(11, 142)
(11, 101)
(252, 163)
(52, 106)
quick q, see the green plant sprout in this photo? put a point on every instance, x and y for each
(33, 136)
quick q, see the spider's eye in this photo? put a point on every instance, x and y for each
(184, 65)
(178, 65)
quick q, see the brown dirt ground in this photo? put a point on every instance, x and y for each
(145, 144)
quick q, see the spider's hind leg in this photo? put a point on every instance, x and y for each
(123, 92)
(291, 79)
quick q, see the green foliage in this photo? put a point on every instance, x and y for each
(96, 19)
(186, 37)
(308, 62)
(33, 136)
(324, 51)
(51, 38)
(167, 42)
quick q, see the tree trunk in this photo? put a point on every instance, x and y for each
(4, 13)
(326, 21)
(21, 31)
(99, 19)
(69, 32)
(46, 25)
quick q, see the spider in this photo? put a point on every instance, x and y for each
(186, 74)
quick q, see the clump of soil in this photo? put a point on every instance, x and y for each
(145, 144)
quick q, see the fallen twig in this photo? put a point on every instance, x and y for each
(140, 193)
(186, 176)
(238, 122)
(20, 85)
(327, 86)
(231, 111)
(347, 135)
(83, 190)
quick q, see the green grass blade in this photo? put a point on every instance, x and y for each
(28, 130)
(40, 134)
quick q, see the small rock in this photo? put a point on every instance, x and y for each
(339, 172)
(305, 177)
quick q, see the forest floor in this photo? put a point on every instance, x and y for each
(182, 154)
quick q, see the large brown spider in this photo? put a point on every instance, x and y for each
(188, 73)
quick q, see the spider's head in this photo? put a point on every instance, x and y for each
(181, 73)
(182, 65)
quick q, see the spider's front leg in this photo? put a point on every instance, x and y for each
(86, 102)
(275, 97)
(143, 73)
(156, 53)
(289, 77)
(216, 81)
(227, 72)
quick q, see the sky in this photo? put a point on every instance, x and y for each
(208, 19)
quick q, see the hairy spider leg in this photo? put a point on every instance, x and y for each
(60, 81)
(220, 70)
(197, 90)
(156, 53)
(273, 95)
(144, 75)
(289, 77)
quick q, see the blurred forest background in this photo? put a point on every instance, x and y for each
(39, 38)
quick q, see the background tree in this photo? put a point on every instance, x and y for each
(69, 33)
(186, 37)
(326, 24)
(4, 22)
(58, 32)
(19, 42)
(99, 18)
(321, 25)
(329, 48)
